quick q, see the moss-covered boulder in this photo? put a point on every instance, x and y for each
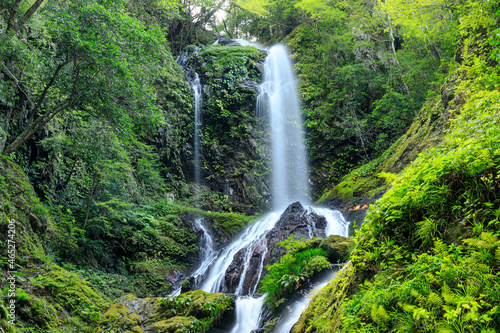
(337, 247)
(177, 325)
(22, 213)
(235, 153)
(195, 311)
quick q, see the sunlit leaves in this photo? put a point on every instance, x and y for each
(428, 20)
(254, 6)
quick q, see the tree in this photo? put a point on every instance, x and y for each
(100, 61)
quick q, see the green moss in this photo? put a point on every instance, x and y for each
(48, 298)
(196, 303)
(220, 59)
(322, 312)
(301, 262)
(230, 223)
(194, 311)
(177, 325)
(20, 205)
(426, 131)
(115, 312)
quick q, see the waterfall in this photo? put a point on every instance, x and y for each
(196, 86)
(208, 253)
(289, 162)
(248, 311)
(292, 313)
(249, 240)
(242, 261)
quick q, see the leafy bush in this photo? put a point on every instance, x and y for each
(293, 269)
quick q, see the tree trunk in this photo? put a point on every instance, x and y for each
(13, 14)
(11, 25)
(35, 126)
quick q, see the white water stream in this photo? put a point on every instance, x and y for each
(196, 86)
(293, 311)
(207, 249)
(289, 162)
(252, 237)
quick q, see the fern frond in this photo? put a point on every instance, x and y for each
(434, 300)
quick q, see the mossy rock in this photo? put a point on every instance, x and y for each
(20, 205)
(176, 325)
(184, 313)
(337, 247)
(115, 312)
(48, 298)
(199, 304)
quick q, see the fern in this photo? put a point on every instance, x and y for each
(448, 295)
(379, 314)
(440, 248)
(434, 300)
(427, 229)
(497, 254)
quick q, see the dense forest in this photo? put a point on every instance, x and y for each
(99, 202)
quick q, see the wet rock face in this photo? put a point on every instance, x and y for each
(300, 222)
(297, 221)
(235, 156)
(175, 278)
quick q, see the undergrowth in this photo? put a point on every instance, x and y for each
(293, 269)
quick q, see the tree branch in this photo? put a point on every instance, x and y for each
(43, 120)
(31, 129)
(45, 90)
(13, 13)
(225, 28)
(16, 26)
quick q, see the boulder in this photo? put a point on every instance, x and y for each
(193, 310)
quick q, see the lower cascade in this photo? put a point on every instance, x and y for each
(239, 267)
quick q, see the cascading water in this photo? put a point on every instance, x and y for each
(207, 249)
(292, 313)
(289, 163)
(196, 86)
(252, 237)
(249, 253)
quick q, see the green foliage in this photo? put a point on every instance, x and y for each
(293, 269)
(448, 290)
(198, 304)
(360, 94)
(225, 67)
(428, 249)
(269, 21)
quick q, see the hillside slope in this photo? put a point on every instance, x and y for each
(36, 293)
(427, 258)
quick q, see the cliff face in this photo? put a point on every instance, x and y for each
(426, 246)
(234, 152)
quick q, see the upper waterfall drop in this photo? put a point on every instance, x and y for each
(289, 162)
(196, 86)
